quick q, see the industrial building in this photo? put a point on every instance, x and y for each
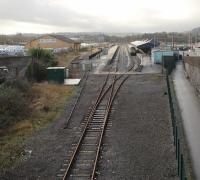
(53, 42)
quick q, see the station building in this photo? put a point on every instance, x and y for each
(145, 45)
(53, 42)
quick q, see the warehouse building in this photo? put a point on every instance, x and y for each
(54, 42)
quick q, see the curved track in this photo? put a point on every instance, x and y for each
(83, 160)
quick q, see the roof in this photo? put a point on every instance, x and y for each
(162, 50)
(138, 43)
(63, 38)
(56, 68)
(60, 37)
(3, 67)
(145, 43)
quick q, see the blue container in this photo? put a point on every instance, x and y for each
(157, 55)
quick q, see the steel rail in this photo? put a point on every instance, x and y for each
(108, 110)
(76, 102)
(104, 126)
(84, 130)
(100, 97)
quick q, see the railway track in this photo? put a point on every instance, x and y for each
(85, 77)
(82, 161)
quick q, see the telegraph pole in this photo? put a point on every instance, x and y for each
(172, 40)
(190, 40)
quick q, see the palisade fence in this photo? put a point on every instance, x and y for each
(182, 153)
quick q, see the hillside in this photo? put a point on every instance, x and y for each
(196, 30)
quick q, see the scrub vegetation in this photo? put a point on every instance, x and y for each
(24, 109)
(41, 59)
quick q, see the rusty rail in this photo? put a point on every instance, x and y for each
(103, 92)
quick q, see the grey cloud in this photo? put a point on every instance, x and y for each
(40, 12)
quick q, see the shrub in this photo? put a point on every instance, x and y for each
(21, 85)
(44, 56)
(41, 60)
(13, 105)
(36, 72)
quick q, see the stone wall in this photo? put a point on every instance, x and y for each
(192, 68)
(16, 65)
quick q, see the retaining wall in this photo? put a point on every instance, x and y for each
(192, 68)
(16, 65)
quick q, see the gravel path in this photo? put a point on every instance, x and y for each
(139, 145)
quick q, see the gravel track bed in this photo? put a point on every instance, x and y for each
(139, 145)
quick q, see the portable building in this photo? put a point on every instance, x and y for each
(57, 74)
(157, 55)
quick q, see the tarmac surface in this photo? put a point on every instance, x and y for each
(189, 104)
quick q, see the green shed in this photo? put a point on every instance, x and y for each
(56, 74)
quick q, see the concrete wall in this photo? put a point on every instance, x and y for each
(16, 65)
(192, 68)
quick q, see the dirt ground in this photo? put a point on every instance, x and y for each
(64, 59)
(45, 103)
(47, 148)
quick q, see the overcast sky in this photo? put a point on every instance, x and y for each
(46, 16)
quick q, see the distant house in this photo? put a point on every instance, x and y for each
(53, 42)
